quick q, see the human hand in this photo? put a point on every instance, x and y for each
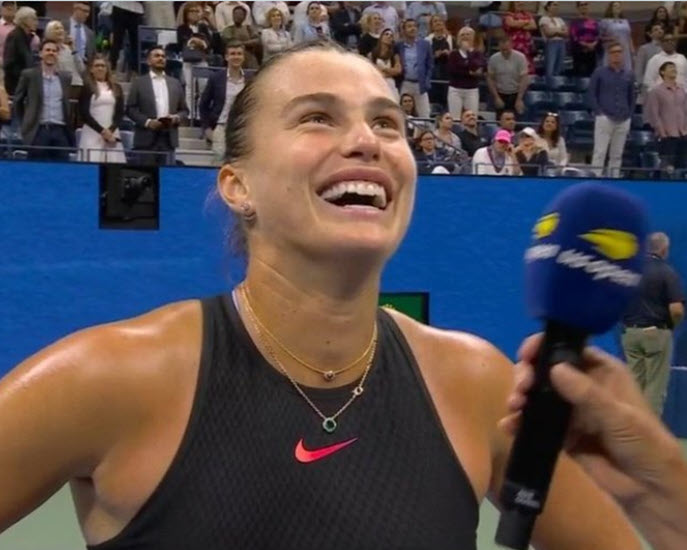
(208, 134)
(154, 124)
(520, 106)
(499, 103)
(614, 435)
(107, 135)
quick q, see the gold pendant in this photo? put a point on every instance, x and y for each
(329, 375)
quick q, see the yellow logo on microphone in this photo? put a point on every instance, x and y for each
(612, 243)
(546, 225)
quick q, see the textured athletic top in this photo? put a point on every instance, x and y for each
(235, 482)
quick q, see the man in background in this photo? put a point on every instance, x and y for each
(648, 324)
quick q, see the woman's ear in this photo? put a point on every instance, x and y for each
(232, 188)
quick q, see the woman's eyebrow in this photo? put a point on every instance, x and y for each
(330, 100)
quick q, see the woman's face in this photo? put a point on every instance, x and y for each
(553, 9)
(193, 15)
(407, 104)
(427, 143)
(387, 38)
(314, 12)
(276, 20)
(447, 121)
(437, 25)
(342, 135)
(550, 124)
(57, 33)
(466, 39)
(661, 14)
(99, 70)
(616, 9)
(527, 142)
(376, 22)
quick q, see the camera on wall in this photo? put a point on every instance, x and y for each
(129, 197)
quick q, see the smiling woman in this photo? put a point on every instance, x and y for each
(292, 412)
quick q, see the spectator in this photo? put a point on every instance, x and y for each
(507, 122)
(518, 25)
(555, 32)
(584, 39)
(345, 25)
(372, 25)
(68, 59)
(260, 10)
(423, 12)
(507, 78)
(417, 63)
(496, 159)
(42, 103)
(17, 54)
(444, 133)
(101, 107)
(244, 34)
(219, 96)
(428, 156)
(275, 39)
(666, 112)
(442, 44)
(680, 31)
(207, 14)
(390, 16)
(531, 157)
(614, 27)
(470, 137)
(387, 60)
(552, 140)
(661, 17)
(407, 102)
(314, 28)
(224, 14)
(82, 37)
(649, 322)
(7, 13)
(194, 37)
(301, 14)
(612, 99)
(157, 106)
(645, 53)
(127, 16)
(668, 53)
(465, 70)
(413, 127)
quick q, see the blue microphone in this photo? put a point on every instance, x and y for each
(581, 271)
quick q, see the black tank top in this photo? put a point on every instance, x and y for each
(235, 482)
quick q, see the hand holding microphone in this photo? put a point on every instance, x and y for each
(616, 437)
(582, 270)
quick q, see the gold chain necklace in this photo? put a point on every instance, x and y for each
(329, 423)
(328, 375)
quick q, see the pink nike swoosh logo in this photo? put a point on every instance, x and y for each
(305, 456)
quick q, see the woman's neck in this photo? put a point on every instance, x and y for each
(324, 326)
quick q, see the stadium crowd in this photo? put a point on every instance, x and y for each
(510, 88)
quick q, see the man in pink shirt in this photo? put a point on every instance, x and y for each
(7, 11)
(665, 111)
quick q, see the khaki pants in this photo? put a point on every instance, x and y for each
(219, 146)
(648, 353)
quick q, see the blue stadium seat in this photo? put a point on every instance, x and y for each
(536, 96)
(581, 134)
(581, 84)
(638, 122)
(568, 118)
(650, 159)
(642, 139)
(487, 130)
(563, 84)
(537, 83)
(570, 101)
(127, 139)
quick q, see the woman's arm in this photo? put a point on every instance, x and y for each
(85, 110)
(4, 105)
(119, 109)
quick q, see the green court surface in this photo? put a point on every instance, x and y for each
(53, 527)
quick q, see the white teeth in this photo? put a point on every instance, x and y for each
(367, 189)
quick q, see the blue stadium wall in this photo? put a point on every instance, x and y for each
(60, 273)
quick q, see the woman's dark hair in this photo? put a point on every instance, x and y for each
(413, 113)
(654, 17)
(237, 133)
(609, 11)
(418, 141)
(556, 134)
(547, 5)
(377, 52)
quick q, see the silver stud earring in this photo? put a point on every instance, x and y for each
(247, 211)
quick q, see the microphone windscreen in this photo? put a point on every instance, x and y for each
(585, 262)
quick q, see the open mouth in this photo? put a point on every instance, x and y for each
(356, 194)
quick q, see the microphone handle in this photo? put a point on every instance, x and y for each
(539, 440)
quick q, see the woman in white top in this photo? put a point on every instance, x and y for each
(387, 60)
(101, 106)
(555, 32)
(68, 59)
(276, 38)
(552, 141)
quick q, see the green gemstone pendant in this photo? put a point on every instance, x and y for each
(329, 425)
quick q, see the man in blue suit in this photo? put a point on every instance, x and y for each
(418, 64)
(218, 97)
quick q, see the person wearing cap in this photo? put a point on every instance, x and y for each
(532, 158)
(497, 159)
